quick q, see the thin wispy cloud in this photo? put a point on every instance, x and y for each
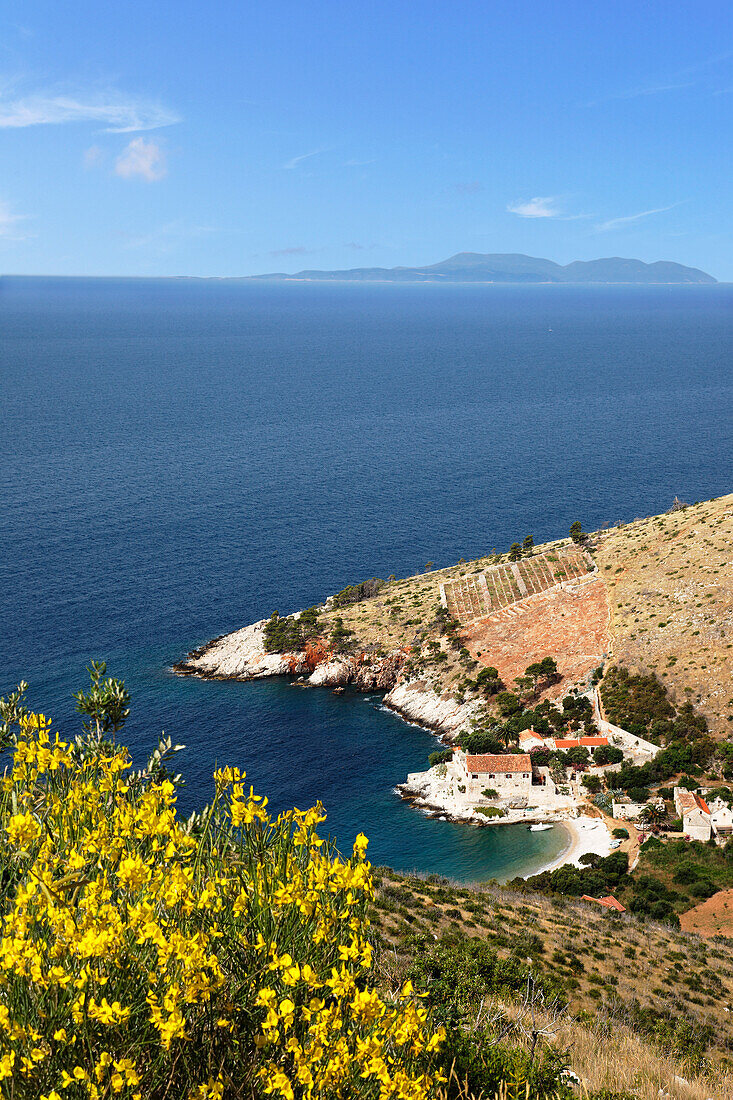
(628, 219)
(640, 91)
(10, 223)
(142, 159)
(93, 156)
(295, 161)
(116, 113)
(674, 82)
(539, 207)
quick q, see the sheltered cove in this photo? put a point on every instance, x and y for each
(556, 600)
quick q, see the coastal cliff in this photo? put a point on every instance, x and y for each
(242, 656)
(416, 701)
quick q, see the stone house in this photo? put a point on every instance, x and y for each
(721, 817)
(529, 740)
(695, 814)
(510, 775)
(573, 742)
(623, 809)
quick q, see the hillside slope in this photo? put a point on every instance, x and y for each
(654, 595)
(670, 585)
(623, 978)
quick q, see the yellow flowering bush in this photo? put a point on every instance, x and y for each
(146, 957)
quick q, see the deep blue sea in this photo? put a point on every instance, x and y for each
(181, 457)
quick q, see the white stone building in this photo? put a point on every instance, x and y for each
(528, 740)
(721, 818)
(623, 809)
(695, 813)
(510, 775)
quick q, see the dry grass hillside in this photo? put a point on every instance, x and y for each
(670, 582)
(623, 978)
(403, 615)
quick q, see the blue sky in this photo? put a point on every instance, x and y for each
(230, 138)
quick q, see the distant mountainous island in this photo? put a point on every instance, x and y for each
(477, 267)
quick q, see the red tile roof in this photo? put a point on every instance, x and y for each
(687, 801)
(586, 742)
(608, 902)
(496, 764)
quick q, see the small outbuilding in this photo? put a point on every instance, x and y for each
(608, 902)
(623, 809)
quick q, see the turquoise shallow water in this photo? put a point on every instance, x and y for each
(181, 457)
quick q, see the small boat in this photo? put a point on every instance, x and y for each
(540, 827)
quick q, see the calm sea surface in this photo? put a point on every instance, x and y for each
(181, 457)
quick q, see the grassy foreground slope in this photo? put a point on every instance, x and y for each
(633, 1002)
(670, 583)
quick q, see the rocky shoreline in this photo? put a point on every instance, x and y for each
(242, 656)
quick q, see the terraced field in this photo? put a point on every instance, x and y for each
(479, 595)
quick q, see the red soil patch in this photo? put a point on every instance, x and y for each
(713, 917)
(570, 625)
(315, 653)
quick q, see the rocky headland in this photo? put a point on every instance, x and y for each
(460, 650)
(242, 655)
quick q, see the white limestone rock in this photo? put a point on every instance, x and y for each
(417, 702)
(331, 674)
(241, 656)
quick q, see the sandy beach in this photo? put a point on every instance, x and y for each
(585, 835)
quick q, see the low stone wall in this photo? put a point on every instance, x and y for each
(626, 739)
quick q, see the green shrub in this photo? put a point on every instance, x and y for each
(703, 889)
(227, 956)
(355, 593)
(291, 633)
(686, 873)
